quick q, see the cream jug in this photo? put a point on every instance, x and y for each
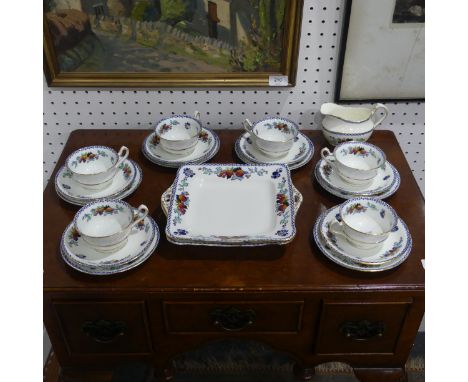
(346, 123)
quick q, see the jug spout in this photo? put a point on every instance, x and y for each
(347, 113)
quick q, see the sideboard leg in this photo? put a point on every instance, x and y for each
(303, 373)
(380, 374)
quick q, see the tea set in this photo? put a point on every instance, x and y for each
(180, 139)
(108, 236)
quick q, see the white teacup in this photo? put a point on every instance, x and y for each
(178, 135)
(95, 166)
(365, 222)
(355, 162)
(272, 136)
(106, 223)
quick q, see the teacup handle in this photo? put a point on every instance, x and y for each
(142, 212)
(326, 157)
(248, 126)
(196, 115)
(123, 154)
(378, 106)
(337, 227)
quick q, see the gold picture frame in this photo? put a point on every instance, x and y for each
(288, 66)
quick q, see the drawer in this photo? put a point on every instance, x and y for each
(360, 327)
(104, 327)
(190, 317)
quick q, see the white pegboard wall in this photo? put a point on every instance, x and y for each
(66, 110)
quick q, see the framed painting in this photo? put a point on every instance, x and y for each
(171, 43)
(382, 51)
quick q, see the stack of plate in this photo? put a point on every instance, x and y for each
(386, 182)
(300, 153)
(125, 182)
(231, 205)
(206, 148)
(78, 254)
(338, 249)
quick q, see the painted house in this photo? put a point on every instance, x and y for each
(227, 20)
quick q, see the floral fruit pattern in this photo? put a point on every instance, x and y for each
(103, 210)
(127, 170)
(203, 136)
(396, 246)
(359, 151)
(87, 157)
(182, 201)
(281, 126)
(155, 140)
(356, 208)
(233, 173)
(282, 203)
(327, 170)
(165, 128)
(73, 236)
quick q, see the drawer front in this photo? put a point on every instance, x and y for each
(360, 327)
(104, 327)
(190, 317)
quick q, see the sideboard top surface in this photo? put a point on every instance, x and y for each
(297, 266)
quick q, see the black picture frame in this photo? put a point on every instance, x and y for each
(341, 58)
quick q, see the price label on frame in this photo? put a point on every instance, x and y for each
(278, 80)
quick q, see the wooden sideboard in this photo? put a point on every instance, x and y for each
(290, 297)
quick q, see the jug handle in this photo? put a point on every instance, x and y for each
(248, 126)
(385, 110)
(196, 115)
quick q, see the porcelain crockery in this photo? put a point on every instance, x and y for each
(365, 222)
(356, 162)
(273, 136)
(127, 176)
(300, 153)
(77, 253)
(166, 199)
(206, 148)
(397, 243)
(106, 223)
(95, 166)
(387, 179)
(232, 205)
(346, 261)
(178, 135)
(349, 123)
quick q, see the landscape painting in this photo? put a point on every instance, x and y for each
(168, 36)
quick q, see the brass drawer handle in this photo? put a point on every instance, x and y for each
(104, 331)
(362, 330)
(232, 319)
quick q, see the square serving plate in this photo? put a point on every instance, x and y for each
(232, 205)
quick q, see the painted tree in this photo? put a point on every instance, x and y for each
(174, 11)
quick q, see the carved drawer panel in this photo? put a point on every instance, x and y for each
(104, 327)
(190, 317)
(360, 327)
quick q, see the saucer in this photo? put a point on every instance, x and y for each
(300, 153)
(125, 182)
(397, 244)
(386, 182)
(78, 254)
(347, 262)
(206, 148)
